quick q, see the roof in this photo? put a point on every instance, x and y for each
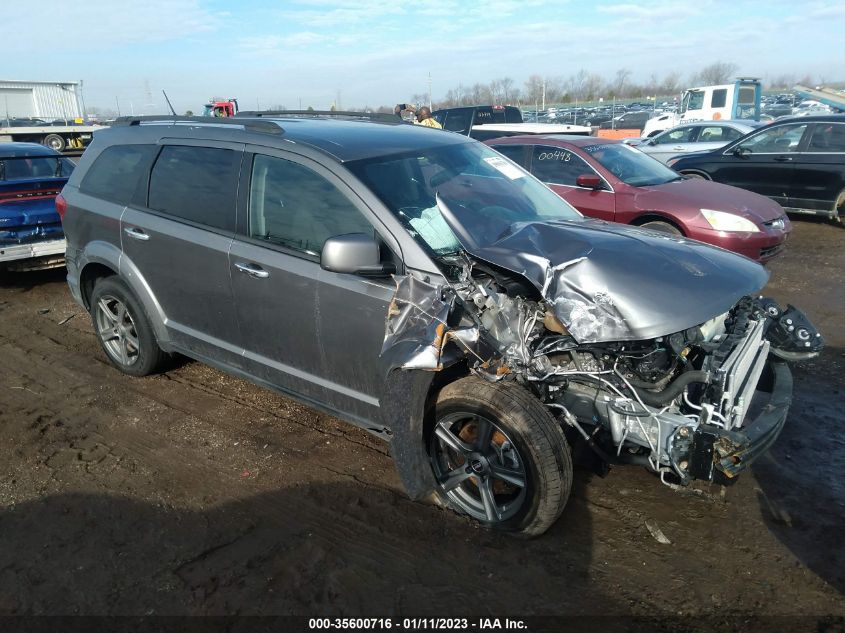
(578, 141)
(811, 118)
(25, 149)
(531, 128)
(345, 140)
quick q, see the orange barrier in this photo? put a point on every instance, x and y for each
(618, 134)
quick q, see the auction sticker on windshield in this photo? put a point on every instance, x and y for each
(504, 166)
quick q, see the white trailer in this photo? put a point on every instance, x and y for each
(44, 112)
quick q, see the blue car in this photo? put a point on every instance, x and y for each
(31, 235)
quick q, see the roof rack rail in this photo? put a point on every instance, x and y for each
(381, 117)
(265, 127)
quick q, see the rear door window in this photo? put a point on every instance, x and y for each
(198, 184)
(293, 206)
(119, 173)
(828, 138)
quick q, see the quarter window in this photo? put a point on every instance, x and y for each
(198, 184)
(515, 152)
(118, 173)
(294, 207)
(558, 166)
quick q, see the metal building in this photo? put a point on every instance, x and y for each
(46, 100)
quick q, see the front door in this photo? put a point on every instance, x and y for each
(305, 330)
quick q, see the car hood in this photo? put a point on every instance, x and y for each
(608, 282)
(698, 193)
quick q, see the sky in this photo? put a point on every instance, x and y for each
(381, 52)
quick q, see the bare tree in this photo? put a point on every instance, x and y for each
(507, 89)
(622, 75)
(671, 84)
(534, 89)
(715, 73)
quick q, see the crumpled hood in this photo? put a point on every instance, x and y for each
(609, 282)
(703, 194)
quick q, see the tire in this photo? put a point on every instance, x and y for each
(123, 329)
(694, 174)
(662, 227)
(498, 455)
(55, 141)
(839, 207)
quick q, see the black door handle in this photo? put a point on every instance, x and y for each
(783, 159)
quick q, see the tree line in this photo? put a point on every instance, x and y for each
(584, 86)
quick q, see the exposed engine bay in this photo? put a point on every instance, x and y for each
(685, 405)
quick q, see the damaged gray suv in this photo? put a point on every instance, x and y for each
(419, 285)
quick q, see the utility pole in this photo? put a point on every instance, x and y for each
(429, 90)
(544, 93)
(117, 103)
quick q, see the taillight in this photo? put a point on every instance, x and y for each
(61, 206)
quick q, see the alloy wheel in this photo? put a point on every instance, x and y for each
(478, 467)
(116, 329)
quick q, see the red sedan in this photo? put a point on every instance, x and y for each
(609, 180)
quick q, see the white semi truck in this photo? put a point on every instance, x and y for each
(738, 100)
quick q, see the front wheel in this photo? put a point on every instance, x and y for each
(662, 227)
(694, 174)
(499, 456)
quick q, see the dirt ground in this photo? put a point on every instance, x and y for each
(193, 492)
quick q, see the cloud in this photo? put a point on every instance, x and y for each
(101, 24)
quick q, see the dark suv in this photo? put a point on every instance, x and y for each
(799, 162)
(427, 289)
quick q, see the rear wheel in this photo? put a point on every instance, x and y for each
(123, 329)
(55, 141)
(662, 227)
(499, 456)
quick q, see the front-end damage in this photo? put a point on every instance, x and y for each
(628, 374)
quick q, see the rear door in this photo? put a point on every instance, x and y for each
(179, 243)
(765, 162)
(306, 330)
(820, 169)
(559, 168)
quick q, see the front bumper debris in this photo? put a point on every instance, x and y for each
(716, 451)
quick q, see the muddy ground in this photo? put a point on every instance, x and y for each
(193, 492)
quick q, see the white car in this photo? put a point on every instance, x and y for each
(701, 136)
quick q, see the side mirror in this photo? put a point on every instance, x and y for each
(589, 181)
(741, 152)
(355, 254)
